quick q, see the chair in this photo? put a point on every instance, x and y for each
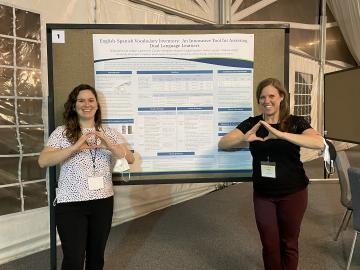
(354, 178)
(342, 165)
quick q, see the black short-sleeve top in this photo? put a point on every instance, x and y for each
(290, 174)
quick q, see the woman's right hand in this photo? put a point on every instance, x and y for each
(251, 136)
(51, 156)
(236, 139)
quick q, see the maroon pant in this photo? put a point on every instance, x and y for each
(278, 220)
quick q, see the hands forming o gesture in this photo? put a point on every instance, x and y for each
(105, 142)
(251, 136)
(82, 142)
(89, 141)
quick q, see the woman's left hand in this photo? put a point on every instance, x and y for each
(117, 150)
(273, 132)
(105, 142)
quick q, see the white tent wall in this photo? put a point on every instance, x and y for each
(122, 11)
(199, 10)
(27, 232)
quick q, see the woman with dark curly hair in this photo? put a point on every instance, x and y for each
(83, 213)
(279, 180)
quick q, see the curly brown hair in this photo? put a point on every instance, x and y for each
(284, 104)
(70, 116)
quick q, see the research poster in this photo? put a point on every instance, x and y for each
(172, 97)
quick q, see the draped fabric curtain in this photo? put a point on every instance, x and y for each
(117, 11)
(347, 14)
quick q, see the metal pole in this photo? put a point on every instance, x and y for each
(224, 11)
(94, 11)
(52, 186)
(323, 20)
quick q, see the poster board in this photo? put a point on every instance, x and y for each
(341, 95)
(71, 62)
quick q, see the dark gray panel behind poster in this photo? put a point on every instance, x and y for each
(341, 105)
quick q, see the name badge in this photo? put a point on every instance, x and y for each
(95, 182)
(268, 169)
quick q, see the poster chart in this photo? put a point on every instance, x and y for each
(173, 97)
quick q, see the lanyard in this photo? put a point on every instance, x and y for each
(93, 158)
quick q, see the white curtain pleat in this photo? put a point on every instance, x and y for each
(347, 14)
(122, 11)
(205, 9)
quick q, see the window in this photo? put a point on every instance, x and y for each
(302, 96)
(22, 181)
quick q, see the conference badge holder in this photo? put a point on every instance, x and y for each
(95, 182)
(268, 169)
